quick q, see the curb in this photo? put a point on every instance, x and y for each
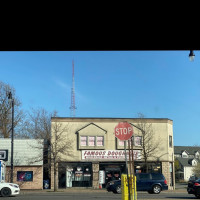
(85, 190)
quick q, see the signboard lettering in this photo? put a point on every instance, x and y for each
(108, 154)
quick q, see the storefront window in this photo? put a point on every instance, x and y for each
(75, 175)
(87, 174)
(112, 171)
(78, 176)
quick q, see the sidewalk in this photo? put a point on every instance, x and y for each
(90, 190)
(68, 190)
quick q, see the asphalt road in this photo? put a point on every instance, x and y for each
(76, 195)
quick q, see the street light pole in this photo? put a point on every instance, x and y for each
(191, 55)
(12, 135)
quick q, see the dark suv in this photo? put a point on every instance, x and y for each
(150, 182)
(194, 187)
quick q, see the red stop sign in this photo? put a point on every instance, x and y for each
(123, 131)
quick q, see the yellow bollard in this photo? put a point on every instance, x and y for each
(124, 187)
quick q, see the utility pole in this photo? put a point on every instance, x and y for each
(12, 135)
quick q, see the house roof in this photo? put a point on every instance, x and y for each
(186, 162)
(94, 125)
(190, 149)
(25, 151)
(114, 120)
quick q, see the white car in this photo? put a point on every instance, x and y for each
(9, 189)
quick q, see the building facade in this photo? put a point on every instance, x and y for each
(97, 156)
(187, 158)
(27, 162)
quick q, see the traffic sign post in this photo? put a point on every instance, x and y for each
(124, 131)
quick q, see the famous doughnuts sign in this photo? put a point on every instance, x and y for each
(109, 154)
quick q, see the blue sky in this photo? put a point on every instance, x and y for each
(159, 84)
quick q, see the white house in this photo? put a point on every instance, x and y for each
(188, 158)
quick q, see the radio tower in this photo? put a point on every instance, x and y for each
(72, 107)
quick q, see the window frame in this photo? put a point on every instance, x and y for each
(170, 141)
(86, 141)
(102, 141)
(138, 136)
(95, 141)
(134, 146)
(90, 141)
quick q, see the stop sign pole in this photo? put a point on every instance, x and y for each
(124, 131)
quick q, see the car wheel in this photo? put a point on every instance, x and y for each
(5, 192)
(156, 189)
(197, 193)
(118, 189)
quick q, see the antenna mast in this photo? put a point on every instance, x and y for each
(72, 107)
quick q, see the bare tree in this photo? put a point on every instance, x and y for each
(196, 170)
(38, 124)
(150, 144)
(61, 146)
(5, 111)
(55, 140)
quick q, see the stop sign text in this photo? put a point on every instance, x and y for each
(123, 131)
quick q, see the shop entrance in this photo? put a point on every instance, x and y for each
(75, 175)
(112, 171)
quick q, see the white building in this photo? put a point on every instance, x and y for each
(27, 162)
(188, 157)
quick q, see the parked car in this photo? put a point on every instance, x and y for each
(150, 182)
(194, 187)
(193, 178)
(9, 189)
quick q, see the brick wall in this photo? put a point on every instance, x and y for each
(95, 182)
(166, 173)
(37, 182)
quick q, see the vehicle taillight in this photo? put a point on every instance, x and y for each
(196, 184)
(165, 181)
